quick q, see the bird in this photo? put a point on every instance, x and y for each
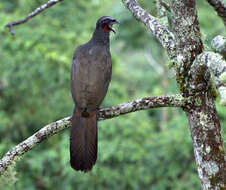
(90, 77)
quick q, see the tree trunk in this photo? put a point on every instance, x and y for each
(207, 142)
(193, 80)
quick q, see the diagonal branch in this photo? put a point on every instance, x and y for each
(106, 113)
(50, 3)
(157, 67)
(162, 33)
(220, 8)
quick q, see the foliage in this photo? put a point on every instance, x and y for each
(142, 150)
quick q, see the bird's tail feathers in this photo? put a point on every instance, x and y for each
(83, 141)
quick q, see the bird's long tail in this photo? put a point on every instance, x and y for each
(83, 141)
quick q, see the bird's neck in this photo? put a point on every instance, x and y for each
(100, 37)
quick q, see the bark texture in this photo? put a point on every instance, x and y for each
(214, 77)
(219, 45)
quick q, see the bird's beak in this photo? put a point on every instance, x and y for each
(111, 24)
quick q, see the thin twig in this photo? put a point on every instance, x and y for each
(157, 67)
(34, 13)
(106, 113)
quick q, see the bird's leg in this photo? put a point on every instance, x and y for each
(85, 113)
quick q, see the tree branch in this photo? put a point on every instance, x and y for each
(106, 113)
(50, 3)
(220, 8)
(162, 33)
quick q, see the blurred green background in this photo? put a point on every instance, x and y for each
(139, 151)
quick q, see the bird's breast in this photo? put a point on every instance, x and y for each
(91, 77)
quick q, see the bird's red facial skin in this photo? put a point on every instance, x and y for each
(106, 29)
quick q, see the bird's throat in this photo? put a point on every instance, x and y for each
(101, 37)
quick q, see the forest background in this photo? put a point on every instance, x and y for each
(144, 150)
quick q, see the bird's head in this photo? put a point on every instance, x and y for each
(106, 23)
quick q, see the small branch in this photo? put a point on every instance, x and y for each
(165, 5)
(162, 33)
(106, 113)
(34, 13)
(220, 8)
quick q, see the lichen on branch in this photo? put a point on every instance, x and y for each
(219, 45)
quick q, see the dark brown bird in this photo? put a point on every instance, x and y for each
(90, 77)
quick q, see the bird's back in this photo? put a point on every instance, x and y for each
(90, 75)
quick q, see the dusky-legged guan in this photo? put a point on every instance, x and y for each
(90, 77)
